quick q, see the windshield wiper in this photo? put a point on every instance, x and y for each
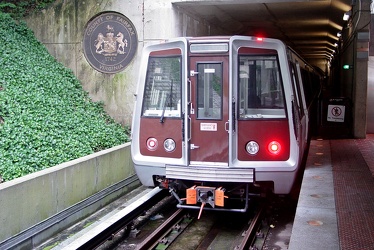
(164, 108)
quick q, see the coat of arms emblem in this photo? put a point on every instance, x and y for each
(110, 42)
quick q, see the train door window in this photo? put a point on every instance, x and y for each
(209, 90)
(162, 94)
(260, 87)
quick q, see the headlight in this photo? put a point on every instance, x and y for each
(252, 147)
(169, 145)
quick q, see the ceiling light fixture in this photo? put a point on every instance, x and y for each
(346, 15)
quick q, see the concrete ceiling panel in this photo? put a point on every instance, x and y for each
(309, 26)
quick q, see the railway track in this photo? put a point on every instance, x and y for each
(100, 234)
(182, 230)
(154, 222)
(179, 221)
(165, 234)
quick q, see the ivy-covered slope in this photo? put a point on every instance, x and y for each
(46, 118)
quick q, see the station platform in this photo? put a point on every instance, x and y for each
(335, 209)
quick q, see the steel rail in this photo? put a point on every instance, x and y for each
(104, 231)
(250, 233)
(153, 238)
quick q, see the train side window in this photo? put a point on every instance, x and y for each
(296, 89)
(260, 87)
(209, 91)
(162, 94)
(307, 86)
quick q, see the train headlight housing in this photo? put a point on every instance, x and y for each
(152, 144)
(252, 147)
(274, 147)
(169, 145)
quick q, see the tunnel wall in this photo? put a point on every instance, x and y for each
(61, 28)
(28, 200)
(370, 91)
(352, 83)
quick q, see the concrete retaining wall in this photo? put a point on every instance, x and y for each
(31, 199)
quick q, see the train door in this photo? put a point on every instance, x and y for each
(209, 108)
(305, 121)
(298, 107)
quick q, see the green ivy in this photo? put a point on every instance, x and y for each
(46, 118)
(21, 8)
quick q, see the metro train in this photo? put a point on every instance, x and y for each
(221, 118)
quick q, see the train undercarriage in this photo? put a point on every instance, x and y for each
(233, 197)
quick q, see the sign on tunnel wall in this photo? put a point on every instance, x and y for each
(110, 42)
(335, 113)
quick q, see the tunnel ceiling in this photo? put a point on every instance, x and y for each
(309, 27)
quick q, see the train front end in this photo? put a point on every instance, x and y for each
(213, 120)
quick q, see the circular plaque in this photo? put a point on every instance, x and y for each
(110, 42)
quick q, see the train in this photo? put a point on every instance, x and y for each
(222, 118)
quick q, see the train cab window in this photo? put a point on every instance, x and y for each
(209, 91)
(162, 94)
(260, 87)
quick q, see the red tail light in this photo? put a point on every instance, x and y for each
(152, 144)
(274, 147)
